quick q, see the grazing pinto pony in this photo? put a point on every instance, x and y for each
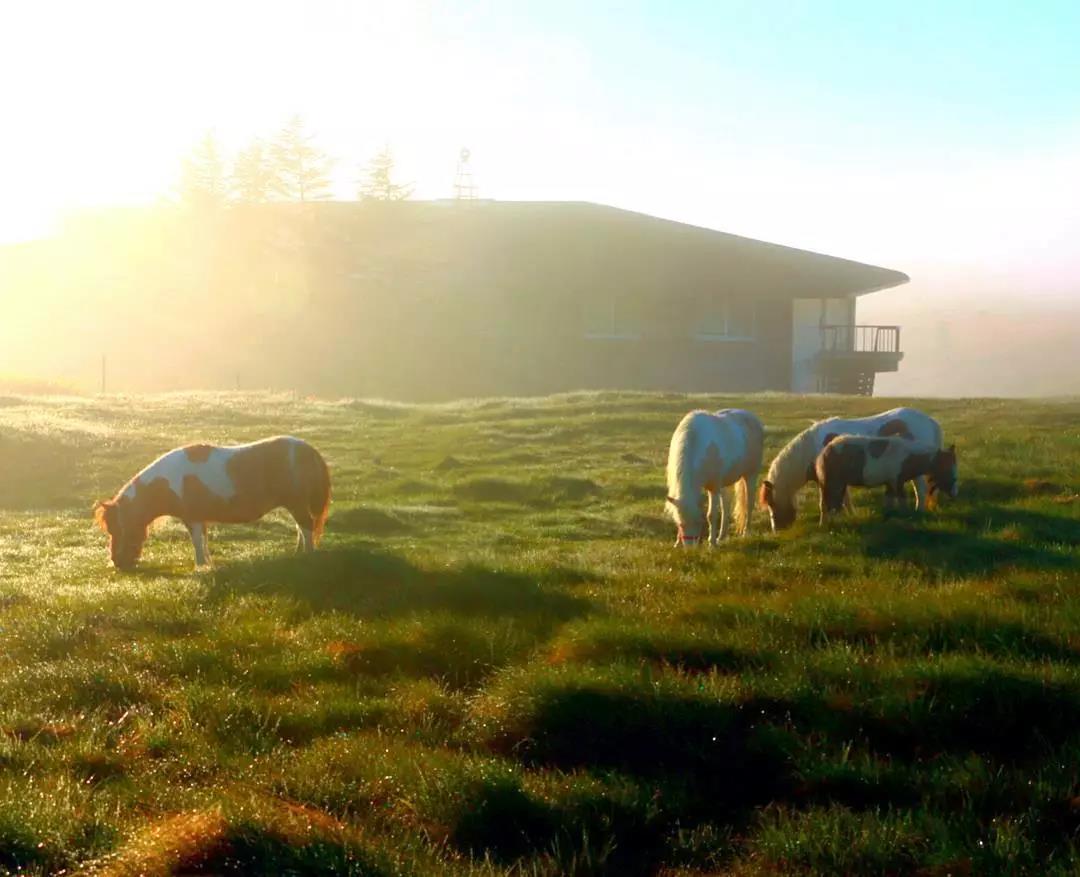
(709, 452)
(201, 484)
(858, 460)
(795, 464)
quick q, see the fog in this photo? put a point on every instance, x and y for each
(980, 334)
(271, 301)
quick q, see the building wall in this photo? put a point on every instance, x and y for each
(808, 316)
(533, 349)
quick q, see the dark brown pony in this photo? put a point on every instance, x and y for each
(868, 461)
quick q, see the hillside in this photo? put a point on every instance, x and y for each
(500, 665)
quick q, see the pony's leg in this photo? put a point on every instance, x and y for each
(900, 495)
(749, 485)
(890, 498)
(197, 531)
(922, 492)
(848, 507)
(832, 499)
(305, 540)
(716, 516)
(305, 525)
(725, 516)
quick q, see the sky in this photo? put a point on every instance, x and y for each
(938, 138)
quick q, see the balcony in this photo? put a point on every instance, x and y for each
(851, 355)
(861, 340)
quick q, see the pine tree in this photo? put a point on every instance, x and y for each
(255, 175)
(202, 176)
(302, 172)
(377, 184)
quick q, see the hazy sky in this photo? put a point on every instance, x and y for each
(942, 139)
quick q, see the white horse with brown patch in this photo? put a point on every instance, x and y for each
(708, 453)
(203, 484)
(892, 461)
(794, 466)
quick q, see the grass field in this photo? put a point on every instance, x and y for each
(499, 664)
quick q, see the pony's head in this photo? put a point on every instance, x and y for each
(781, 511)
(944, 476)
(690, 519)
(126, 536)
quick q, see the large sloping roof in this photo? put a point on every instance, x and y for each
(602, 244)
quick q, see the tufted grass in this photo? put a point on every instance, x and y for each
(499, 664)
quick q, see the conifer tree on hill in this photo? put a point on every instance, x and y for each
(302, 170)
(203, 184)
(377, 183)
(254, 175)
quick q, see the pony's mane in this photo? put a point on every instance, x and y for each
(682, 451)
(788, 471)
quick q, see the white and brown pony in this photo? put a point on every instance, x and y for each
(794, 466)
(892, 461)
(708, 453)
(203, 484)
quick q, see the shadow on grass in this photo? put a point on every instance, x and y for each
(980, 490)
(725, 759)
(683, 652)
(460, 656)
(974, 551)
(369, 521)
(539, 491)
(998, 490)
(1025, 525)
(984, 710)
(590, 833)
(372, 583)
(981, 709)
(955, 634)
(721, 761)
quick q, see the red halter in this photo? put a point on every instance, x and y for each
(688, 540)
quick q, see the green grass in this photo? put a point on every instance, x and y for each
(499, 664)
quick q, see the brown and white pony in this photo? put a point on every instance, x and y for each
(863, 461)
(794, 466)
(709, 452)
(202, 484)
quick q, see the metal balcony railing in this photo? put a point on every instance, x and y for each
(860, 339)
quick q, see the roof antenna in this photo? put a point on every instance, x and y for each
(464, 187)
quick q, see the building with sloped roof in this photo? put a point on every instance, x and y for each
(440, 300)
(534, 297)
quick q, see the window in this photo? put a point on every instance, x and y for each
(608, 316)
(726, 318)
(740, 318)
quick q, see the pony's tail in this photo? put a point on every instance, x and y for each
(745, 487)
(740, 515)
(318, 495)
